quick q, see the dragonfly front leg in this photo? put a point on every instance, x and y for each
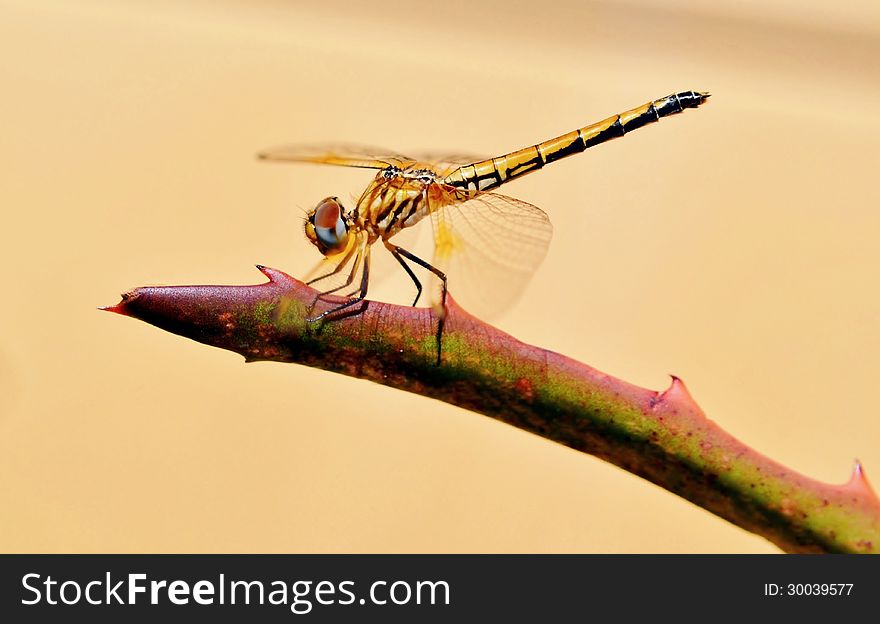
(441, 320)
(336, 270)
(362, 293)
(347, 282)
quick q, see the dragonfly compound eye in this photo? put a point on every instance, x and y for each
(326, 227)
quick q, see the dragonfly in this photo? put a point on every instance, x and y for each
(486, 243)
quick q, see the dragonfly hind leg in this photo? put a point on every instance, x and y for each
(396, 252)
(399, 254)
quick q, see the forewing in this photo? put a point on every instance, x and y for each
(341, 155)
(489, 247)
(444, 164)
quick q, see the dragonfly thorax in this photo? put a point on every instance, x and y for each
(399, 198)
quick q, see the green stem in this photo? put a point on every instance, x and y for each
(661, 436)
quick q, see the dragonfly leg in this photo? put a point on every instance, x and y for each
(395, 251)
(362, 293)
(347, 282)
(442, 316)
(335, 271)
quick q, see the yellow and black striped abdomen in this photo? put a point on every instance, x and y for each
(489, 174)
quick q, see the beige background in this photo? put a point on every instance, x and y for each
(735, 246)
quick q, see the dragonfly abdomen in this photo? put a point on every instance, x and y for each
(488, 174)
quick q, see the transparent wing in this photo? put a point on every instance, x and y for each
(341, 155)
(446, 163)
(489, 247)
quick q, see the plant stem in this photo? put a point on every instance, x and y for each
(661, 436)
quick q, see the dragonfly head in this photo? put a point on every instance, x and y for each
(327, 226)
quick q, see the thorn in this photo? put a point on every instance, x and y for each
(273, 274)
(859, 481)
(857, 470)
(120, 308)
(858, 473)
(117, 309)
(675, 385)
(676, 399)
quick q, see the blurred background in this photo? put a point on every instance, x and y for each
(734, 246)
